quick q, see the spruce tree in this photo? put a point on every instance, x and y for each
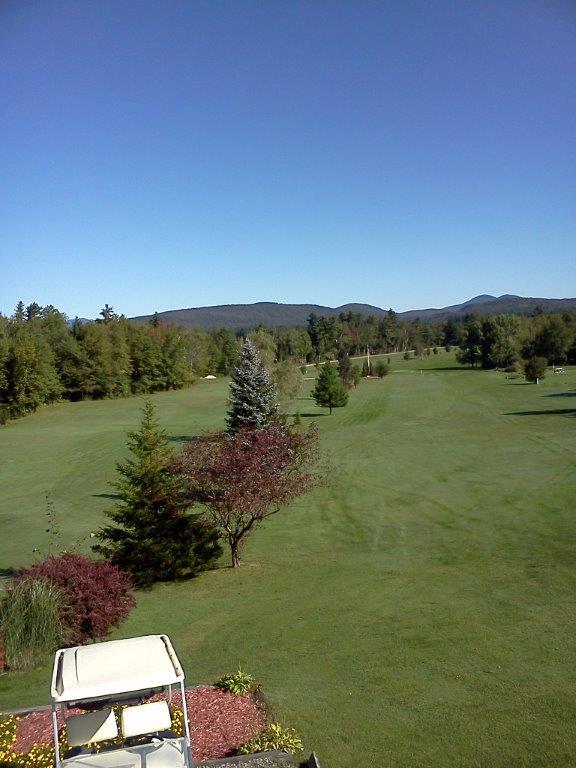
(152, 536)
(345, 368)
(329, 391)
(253, 399)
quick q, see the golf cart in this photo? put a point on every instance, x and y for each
(126, 674)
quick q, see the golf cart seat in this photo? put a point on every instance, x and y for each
(145, 718)
(91, 727)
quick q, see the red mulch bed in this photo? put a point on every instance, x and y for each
(219, 723)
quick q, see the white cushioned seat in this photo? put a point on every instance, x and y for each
(90, 727)
(145, 718)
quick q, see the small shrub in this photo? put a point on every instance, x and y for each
(435, 350)
(30, 619)
(273, 737)
(382, 370)
(406, 355)
(448, 347)
(239, 683)
(95, 596)
(535, 369)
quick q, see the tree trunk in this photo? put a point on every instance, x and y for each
(235, 553)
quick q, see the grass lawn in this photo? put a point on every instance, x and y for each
(418, 611)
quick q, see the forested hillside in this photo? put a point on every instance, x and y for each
(244, 317)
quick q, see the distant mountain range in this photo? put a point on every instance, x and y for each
(247, 316)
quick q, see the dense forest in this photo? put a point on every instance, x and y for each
(44, 357)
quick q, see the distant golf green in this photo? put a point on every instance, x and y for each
(417, 611)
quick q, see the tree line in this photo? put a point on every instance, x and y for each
(44, 357)
(489, 342)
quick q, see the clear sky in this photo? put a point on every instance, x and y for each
(176, 153)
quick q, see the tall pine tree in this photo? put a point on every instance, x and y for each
(253, 399)
(152, 536)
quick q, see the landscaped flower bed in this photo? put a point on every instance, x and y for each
(220, 722)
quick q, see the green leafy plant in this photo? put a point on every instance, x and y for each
(273, 737)
(535, 369)
(30, 620)
(239, 683)
(382, 369)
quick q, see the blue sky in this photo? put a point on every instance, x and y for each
(177, 153)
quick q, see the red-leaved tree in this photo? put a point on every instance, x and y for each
(246, 477)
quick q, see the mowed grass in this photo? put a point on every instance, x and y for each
(416, 611)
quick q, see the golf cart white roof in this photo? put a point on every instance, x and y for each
(114, 667)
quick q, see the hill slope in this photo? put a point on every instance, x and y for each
(246, 316)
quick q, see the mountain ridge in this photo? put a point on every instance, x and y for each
(277, 315)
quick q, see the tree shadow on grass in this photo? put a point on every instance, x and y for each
(7, 572)
(439, 369)
(549, 412)
(313, 415)
(562, 394)
(181, 438)
(206, 437)
(106, 495)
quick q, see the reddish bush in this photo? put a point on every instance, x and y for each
(96, 596)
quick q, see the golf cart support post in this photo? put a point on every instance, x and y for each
(113, 672)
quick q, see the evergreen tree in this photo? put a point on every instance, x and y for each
(329, 391)
(471, 346)
(253, 400)
(382, 369)
(224, 352)
(152, 537)
(146, 362)
(19, 313)
(107, 315)
(345, 368)
(32, 311)
(30, 376)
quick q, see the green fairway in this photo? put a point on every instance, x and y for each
(416, 611)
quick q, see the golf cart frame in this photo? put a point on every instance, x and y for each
(96, 677)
